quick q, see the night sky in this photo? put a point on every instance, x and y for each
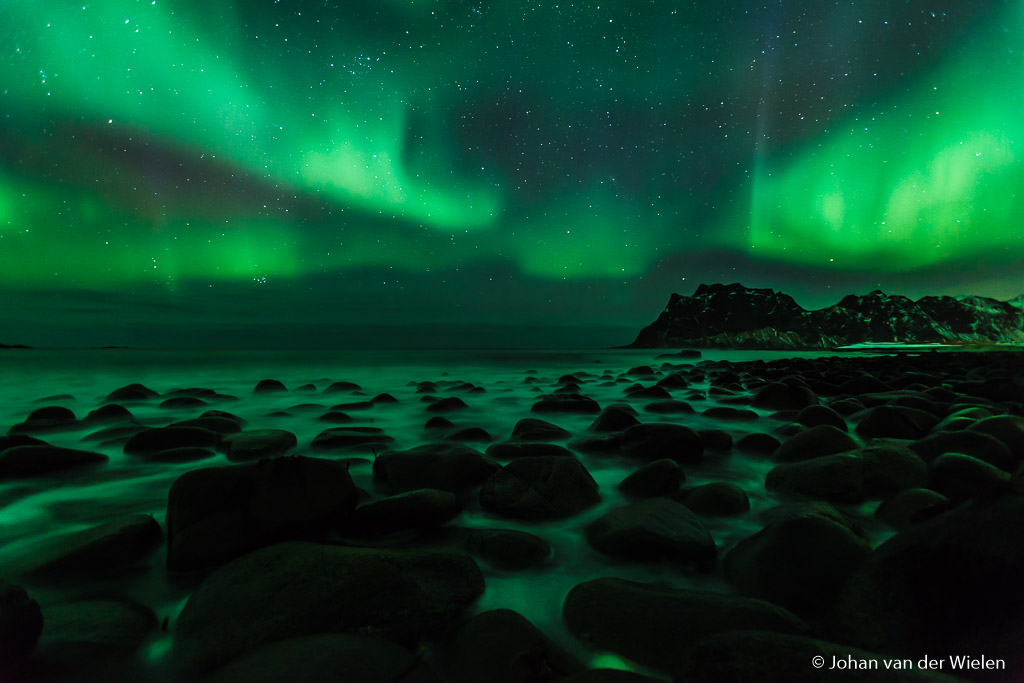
(506, 173)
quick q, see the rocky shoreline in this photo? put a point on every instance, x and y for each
(348, 558)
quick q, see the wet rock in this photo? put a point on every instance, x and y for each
(269, 386)
(538, 488)
(670, 407)
(909, 506)
(803, 509)
(217, 513)
(781, 396)
(614, 418)
(335, 417)
(532, 429)
(107, 414)
(976, 444)
(47, 419)
(339, 387)
(21, 622)
(295, 589)
(659, 478)
(347, 439)
(717, 499)
(651, 624)
(948, 584)
(511, 451)
(502, 646)
(447, 405)
(131, 393)
(799, 563)
(566, 403)
(259, 443)
(960, 476)
(100, 549)
(758, 443)
(1007, 428)
(838, 477)
(470, 434)
(846, 406)
(653, 529)
(20, 440)
(448, 467)
(33, 461)
(337, 657)
(895, 422)
(508, 549)
(383, 398)
(438, 422)
(763, 657)
(653, 392)
(183, 403)
(656, 440)
(813, 443)
(82, 631)
(815, 415)
(161, 438)
(889, 469)
(420, 509)
(214, 423)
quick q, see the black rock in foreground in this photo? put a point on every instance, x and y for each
(734, 316)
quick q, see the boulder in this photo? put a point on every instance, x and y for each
(269, 386)
(334, 657)
(296, 589)
(976, 444)
(758, 443)
(651, 530)
(532, 429)
(447, 467)
(33, 461)
(508, 549)
(79, 632)
(131, 393)
(948, 584)
(21, 622)
(659, 478)
(909, 506)
(502, 646)
(348, 439)
(717, 499)
(511, 451)
(799, 563)
(100, 549)
(654, 441)
(895, 422)
(566, 403)
(538, 488)
(813, 443)
(217, 513)
(420, 509)
(651, 624)
(1007, 428)
(815, 415)
(614, 418)
(161, 438)
(259, 443)
(960, 476)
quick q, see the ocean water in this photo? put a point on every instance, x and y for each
(32, 511)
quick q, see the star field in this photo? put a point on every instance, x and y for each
(221, 165)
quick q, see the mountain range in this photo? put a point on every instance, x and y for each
(734, 316)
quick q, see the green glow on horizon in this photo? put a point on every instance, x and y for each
(885, 196)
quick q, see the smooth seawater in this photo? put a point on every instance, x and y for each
(33, 510)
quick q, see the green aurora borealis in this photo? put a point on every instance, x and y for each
(283, 173)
